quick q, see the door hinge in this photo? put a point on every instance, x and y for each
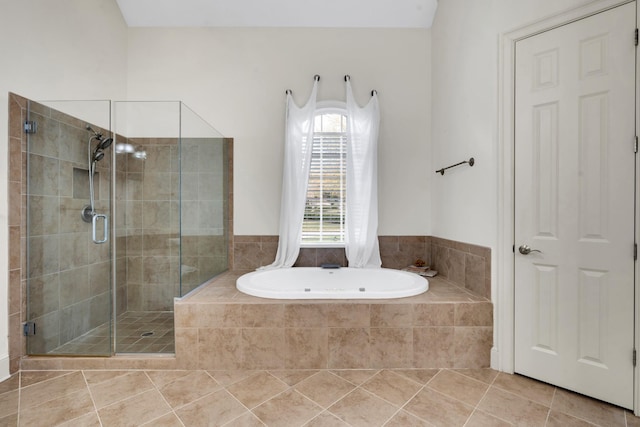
(514, 249)
(30, 126)
(635, 251)
(636, 37)
(29, 329)
(635, 357)
(635, 145)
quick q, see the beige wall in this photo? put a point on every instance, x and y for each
(465, 38)
(236, 79)
(67, 49)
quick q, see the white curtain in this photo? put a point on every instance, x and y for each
(297, 159)
(361, 229)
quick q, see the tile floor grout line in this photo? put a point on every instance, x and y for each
(47, 380)
(451, 397)
(435, 375)
(339, 417)
(401, 408)
(241, 415)
(351, 382)
(68, 372)
(477, 406)
(148, 423)
(241, 404)
(95, 408)
(555, 389)
(129, 397)
(321, 412)
(312, 401)
(231, 383)
(579, 417)
(273, 397)
(199, 398)
(518, 396)
(334, 401)
(422, 387)
(379, 397)
(395, 371)
(211, 376)
(163, 398)
(264, 401)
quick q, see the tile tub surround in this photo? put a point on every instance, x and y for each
(218, 327)
(464, 264)
(446, 327)
(251, 252)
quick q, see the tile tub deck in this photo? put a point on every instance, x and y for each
(219, 328)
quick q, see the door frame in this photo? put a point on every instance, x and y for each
(502, 353)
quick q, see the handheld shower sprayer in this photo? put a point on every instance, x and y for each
(93, 157)
(103, 142)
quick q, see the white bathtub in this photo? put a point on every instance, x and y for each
(340, 283)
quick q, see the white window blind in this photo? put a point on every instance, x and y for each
(325, 207)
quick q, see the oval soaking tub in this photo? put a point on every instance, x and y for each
(332, 283)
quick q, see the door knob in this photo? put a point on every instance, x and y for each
(526, 250)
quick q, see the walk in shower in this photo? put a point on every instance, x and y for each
(127, 208)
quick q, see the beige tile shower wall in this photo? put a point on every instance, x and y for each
(118, 223)
(152, 222)
(203, 210)
(160, 194)
(68, 279)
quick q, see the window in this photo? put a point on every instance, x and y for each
(324, 212)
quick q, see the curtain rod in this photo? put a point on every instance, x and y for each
(316, 78)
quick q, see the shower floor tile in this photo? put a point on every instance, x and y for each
(136, 332)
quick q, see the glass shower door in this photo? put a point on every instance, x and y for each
(68, 239)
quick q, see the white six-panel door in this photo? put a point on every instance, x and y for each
(574, 202)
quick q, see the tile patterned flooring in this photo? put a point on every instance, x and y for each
(132, 330)
(367, 398)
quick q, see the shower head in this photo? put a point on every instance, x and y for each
(96, 135)
(104, 143)
(98, 155)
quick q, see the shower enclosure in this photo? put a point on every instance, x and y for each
(127, 208)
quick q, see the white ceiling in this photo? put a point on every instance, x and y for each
(279, 13)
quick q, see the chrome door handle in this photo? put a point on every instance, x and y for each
(526, 250)
(105, 228)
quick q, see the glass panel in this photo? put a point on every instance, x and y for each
(69, 283)
(148, 224)
(204, 155)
